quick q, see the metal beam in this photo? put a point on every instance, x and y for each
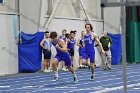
(77, 10)
(47, 23)
(76, 6)
(87, 17)
(122, 4)
(50, 7)
(102, 15)
(123, 28)
(17, 10)
(39, 16)
(118, 4)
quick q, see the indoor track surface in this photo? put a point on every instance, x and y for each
(109, 81)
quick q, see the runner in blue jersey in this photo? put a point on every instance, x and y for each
(63, 36)
(89, 40)
(81, 49)
(65, 40)
(62, 54)
(71, 45)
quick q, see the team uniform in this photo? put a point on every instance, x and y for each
(65, 56)
(89, 48)
(70, 46)
(64, 38)
(47, 52)
(81, 49)
(62, 56)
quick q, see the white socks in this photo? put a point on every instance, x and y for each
(74, 74)
(56, 74)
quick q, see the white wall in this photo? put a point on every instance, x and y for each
(98, 11)
(6, 4)
(8, 47)
(112, 18)
(30, 9)
(90, 7)
(66, 8)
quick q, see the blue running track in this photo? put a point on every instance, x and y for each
(109, 81)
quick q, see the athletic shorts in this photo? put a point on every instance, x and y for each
(65, 57)
(90, 55)
(71, 51)
(47, 54)
(81, 52)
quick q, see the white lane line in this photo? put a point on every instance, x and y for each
(103, 86)
(108, 76)
(4, 86)
(104, 76)
(100, 89)
(83, 84)
(133, 81)
(48, 75)
(76, 90)
(45, 77)
(32, 78)
(130, 67)
(55, 83)
(44, 81)
(136, 88)
(61, 89)
(116, 88)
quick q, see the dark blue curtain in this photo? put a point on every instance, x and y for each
(116, 48)
(1, 1)
(30, 52)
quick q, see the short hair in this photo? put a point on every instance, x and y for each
(53, 35)
(91, 27)
(64, 30)
(82, 31)
(72, 32)
(75, 31)
(67, 35)
(46, 32)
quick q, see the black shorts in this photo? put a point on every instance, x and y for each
(47, 54)
(71, 52)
